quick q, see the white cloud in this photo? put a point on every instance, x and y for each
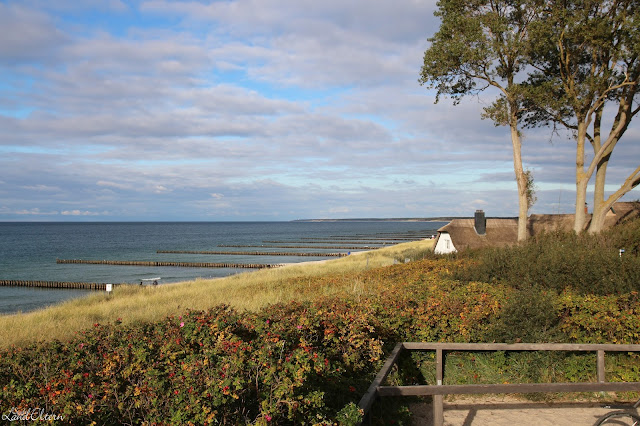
(31, 212)
(340, 210)
(271, 109)
(113, 185)
(28, 35)
(45, 188)
(78, 213)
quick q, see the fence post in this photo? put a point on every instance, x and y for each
(601, 374)
(438, 409)
(600, 368)
(367, 400)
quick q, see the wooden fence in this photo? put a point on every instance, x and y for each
(439, 389)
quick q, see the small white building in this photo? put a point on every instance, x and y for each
(444, 244)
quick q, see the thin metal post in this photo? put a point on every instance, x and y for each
(438, 409)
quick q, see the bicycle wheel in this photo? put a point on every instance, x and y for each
(619, 418)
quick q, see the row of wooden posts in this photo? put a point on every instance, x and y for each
(379, 241)
(298, 247)
(103, 286)
(253, 253)
(180, 264)
(53, 284)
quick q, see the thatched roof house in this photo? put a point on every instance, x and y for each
(460, 234)
(479, 232)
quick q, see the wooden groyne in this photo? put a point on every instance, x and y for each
(53, 284)
(253, 253)
(178, 264)
(302, 247)
(362, 242)
(351, 239)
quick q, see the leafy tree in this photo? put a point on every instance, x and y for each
(587, 57)
(482, 44)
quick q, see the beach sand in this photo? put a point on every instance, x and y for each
(509, 411)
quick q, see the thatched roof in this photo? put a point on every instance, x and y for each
(622, 211)
(539, 223)
(501, 232)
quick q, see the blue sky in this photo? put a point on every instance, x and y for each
(249, 110)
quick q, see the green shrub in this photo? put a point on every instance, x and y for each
(585, 263)
(529, 315)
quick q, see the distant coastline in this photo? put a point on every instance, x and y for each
(394, 219)
(398, 219)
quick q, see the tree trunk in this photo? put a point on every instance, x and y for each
(600, 207)
(521, 180)
(598, 217)
(582, 179)
(601, 171)
(597, 221)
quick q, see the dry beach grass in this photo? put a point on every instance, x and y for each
(246, 291)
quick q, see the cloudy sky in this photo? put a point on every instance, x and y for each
(250, 110)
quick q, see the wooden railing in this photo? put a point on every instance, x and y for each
(439, 389)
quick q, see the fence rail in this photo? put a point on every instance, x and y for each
(439, 389)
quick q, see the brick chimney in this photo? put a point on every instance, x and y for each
(480, 222)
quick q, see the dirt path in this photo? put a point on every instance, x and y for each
(508, 411)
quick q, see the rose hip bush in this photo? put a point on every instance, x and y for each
(214, 367)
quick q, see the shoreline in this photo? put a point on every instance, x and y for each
(318, 262)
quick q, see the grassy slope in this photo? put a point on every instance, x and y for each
(132, 304)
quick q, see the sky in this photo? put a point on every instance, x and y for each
(243, 110)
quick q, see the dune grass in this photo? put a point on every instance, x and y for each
(247, 291)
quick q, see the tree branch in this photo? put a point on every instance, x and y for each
(630, 182)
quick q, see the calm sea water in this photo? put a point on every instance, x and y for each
(28, 251)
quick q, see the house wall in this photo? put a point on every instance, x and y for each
(444, 244)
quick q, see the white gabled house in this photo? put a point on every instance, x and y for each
(444, 245)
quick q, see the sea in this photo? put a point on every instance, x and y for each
(29, 250)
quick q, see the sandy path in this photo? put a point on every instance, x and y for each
(496, 411)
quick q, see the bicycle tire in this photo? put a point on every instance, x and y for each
(619, 418)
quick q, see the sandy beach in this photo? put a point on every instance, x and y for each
(509, 411)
